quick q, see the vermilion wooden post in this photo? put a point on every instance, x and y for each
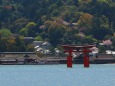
(86, 58)
(69, 59)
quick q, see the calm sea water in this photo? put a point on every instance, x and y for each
(57, 75)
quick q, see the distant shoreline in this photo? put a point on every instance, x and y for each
(33, 59)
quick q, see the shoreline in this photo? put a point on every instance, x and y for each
(64, 61)
(33, 59)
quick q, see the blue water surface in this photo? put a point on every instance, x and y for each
(57, 75)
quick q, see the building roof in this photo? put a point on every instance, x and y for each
(28, 38)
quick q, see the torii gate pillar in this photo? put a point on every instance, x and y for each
(86, 57)
(69, 59)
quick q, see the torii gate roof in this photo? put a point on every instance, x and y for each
(77, 46)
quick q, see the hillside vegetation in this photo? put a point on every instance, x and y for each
(56, 21)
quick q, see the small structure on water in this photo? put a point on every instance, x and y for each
(74, 48)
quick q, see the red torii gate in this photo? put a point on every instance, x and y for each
(74, 48)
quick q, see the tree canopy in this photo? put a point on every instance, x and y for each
(60, 21)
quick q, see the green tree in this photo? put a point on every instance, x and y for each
(52, 7)
(11, 45)
(89, 40)
(38, 38)
(59, 3)
(19, 24)
(102, 49)
(85, 21)
(101, 28)
(55, 35)
(5, 32)
(55, 32)
(3, 42)
(70, 36)
(22, 46)
(31, 29)
(70, 2)
(23, 32)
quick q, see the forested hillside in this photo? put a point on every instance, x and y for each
(56, 21)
